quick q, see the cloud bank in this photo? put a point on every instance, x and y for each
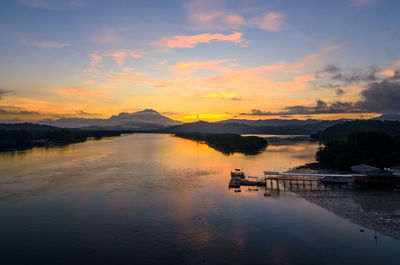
(193, 40)
(377, 97)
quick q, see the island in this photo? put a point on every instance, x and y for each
(229, 143)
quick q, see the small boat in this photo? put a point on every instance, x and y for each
(379, 177)
(238, 173)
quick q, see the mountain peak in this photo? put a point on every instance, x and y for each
(147, 118)
(148, 111)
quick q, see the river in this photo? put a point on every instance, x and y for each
(159, 199)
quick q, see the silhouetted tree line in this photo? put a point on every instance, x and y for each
(229, 143)
(342, 130)
(23, 138)
(374, 148)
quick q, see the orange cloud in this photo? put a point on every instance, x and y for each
(387, 72)
(120, 56)
(271, 21)
(95, 61)
(234, 20)
(193, 66)
(141, 80)
(127, 69)
(192, 41)
(304, 78)
(206, 116)
(231, 96)
(73, 91)
(204, 15)
(90, 82)
(139, 73)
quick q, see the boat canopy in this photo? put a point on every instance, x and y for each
(363, 168)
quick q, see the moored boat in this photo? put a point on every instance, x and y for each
(238, 173)
(336, 179)
(376, 176)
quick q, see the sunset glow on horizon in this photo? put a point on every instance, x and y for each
(199, 60)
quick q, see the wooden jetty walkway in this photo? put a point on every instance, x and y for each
(283, 181)
(305, 181)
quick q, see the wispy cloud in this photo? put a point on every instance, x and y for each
(43, 44)
(95, 61)
(271, 21)
(51, 44)
(15, 110)
(85, 113)
(74, 91)
(106, 36)
(127, 69)
(205, 15)
(52, 4)
(193, 40)
(228, 96)
(120, 56)
(90, 82)
(363, 2)
(3, 92)
(194, 66)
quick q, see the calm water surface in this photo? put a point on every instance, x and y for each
(157, 199)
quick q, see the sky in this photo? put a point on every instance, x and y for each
(191, 60)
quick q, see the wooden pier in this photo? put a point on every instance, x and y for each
(297, 181)
(291, 181)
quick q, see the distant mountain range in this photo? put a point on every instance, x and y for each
(241, 128)
(146, 119)
(149, 120)
(271, 122)
(388, 117)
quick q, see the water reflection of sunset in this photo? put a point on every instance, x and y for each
(159, 192)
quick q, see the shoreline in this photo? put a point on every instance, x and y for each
(375, 208)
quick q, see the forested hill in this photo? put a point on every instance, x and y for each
(27, 126)
(361, 147)
(342, 130)
(28, 135)
(229, 143)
